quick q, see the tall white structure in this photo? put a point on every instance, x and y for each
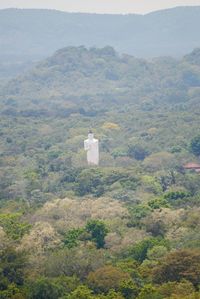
(91, 145)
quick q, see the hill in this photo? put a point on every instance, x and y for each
(101, 79)
(130, 102)
(35, 34)
(126, 229)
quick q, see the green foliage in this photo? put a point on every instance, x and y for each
(111, 295)
(59, 287)
(177, 198)
(137, 152)
(135, 107)
(177, 290)
(157, 252)
(98, 231)
(175, 195)
(137, 213)
(151, 184)
(71, 238)
(82, 292)
(12, 292)
(66, 284)
(107, 278)
(178, 265)
(96, 87)
(98, 180)
(149, 292)
(44, 288)
(195, 145)
(12, 265)
(13, 225)
(140, 250)
(191, 183)
(166, 179)
(158, 203)
(129, 289)
(90, 181)
(157, 228)
(78, 261)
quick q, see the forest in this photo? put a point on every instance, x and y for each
(127, 229)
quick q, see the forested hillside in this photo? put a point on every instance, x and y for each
(34, 34)
(128, 229)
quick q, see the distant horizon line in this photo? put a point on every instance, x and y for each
(100, 13)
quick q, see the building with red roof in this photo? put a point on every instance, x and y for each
(192, 166)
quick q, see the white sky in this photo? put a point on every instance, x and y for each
(99, 6)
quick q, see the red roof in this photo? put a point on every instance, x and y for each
(192, 166)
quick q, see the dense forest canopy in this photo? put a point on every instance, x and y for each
(128, 229)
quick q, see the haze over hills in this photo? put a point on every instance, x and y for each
(34, 34)
(129, 101)
(78, 71)
(92, 82)
(129, 228)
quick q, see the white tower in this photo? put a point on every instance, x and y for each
(91, 145)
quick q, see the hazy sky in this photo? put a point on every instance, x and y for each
(99, 6)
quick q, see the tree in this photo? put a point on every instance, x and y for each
(76, 261)
(111, 295)
(67, 284)
(44, 288)
(12, 266)
(181, 264)
(157, 252)
(195, 145)
(12, 292)
(155, 227)
(90, 181)
(71, 238)
(13, 225)
(149, 292)
(82, 292)
(137, 152)
(160, 160)
(177, 289)
(129, 289)
(137, 213)
(106, 278)
(139, 251)
(98, 231)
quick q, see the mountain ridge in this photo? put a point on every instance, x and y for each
(94, 79)
(38, 33)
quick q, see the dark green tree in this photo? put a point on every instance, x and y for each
(98, 231)
(82, 292)
(44, 288)
(12, 266)
(129, 289)
(137, 151)
(139, 250)
(195, 145)
(149, 292)
(71, 238)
